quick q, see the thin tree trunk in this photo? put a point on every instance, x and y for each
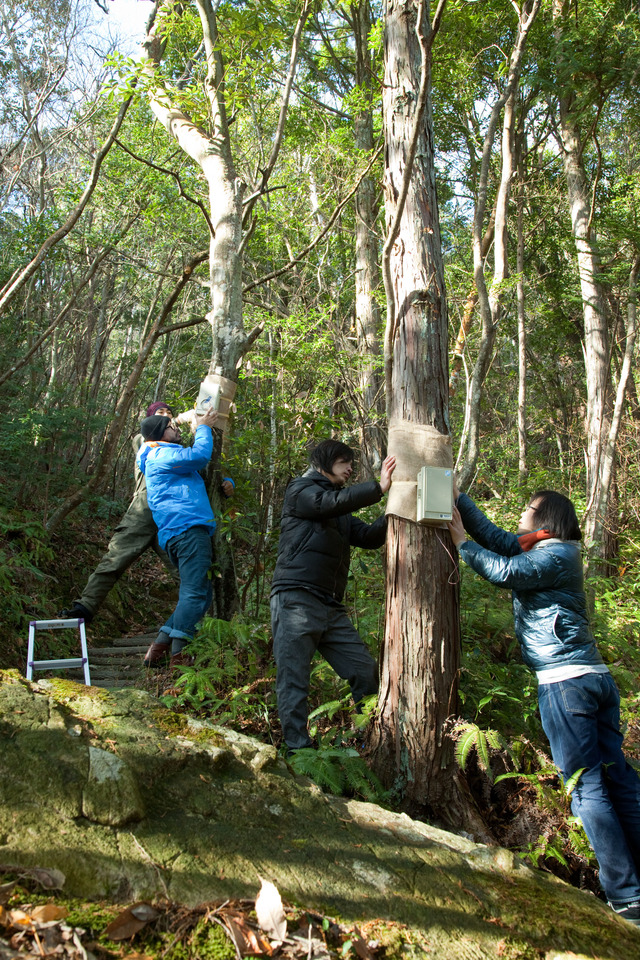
(596, 334)
(491, 301)
(522, 327)
(367, 313)
(468, 310)
(607, 468)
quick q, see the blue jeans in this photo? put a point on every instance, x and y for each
(192, 554)
(302, 623)
(581, 718)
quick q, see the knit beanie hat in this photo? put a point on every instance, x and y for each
(153, 428)
(153, 408)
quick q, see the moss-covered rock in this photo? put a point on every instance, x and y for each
(132, 802)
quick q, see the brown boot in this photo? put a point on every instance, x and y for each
(157, 654)
(182, 660)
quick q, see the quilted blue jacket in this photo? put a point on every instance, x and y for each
(549, 606)
(175, 490)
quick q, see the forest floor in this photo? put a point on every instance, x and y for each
(36, 922)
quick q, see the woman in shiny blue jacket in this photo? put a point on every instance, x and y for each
(577, 696)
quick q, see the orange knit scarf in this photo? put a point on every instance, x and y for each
(529, 540)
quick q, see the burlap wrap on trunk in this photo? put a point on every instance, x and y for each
(414, 445)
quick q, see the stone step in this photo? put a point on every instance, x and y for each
(117, 654)
(114, 683)
(116, 664)
(120, 664)
(141, 638)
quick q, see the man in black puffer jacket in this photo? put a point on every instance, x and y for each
(307, 614)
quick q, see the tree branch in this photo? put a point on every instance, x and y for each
(125, 400)
(61, 316)
(13, 287)
(176, 176)
(332, 219)
(284, 105)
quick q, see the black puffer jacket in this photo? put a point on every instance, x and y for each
(317, 532)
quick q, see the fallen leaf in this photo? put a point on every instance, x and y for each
(362, 949)
(313, 946)
(270, 912)
(248, 942)
(128, 923)
(144, 911)
(18, 918)
(47, 912)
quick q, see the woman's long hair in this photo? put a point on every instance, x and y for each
(555, 512)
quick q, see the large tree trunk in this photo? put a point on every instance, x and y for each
(420, 661)
(211, 150)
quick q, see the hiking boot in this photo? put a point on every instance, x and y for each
(628, 911)
(76, 612)
(157, 654)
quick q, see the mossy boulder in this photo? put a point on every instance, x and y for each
(130, 801)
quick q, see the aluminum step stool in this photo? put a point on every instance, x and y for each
(69, 662)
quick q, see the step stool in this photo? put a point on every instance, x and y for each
(69, 662)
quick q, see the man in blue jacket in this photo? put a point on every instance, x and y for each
(182, 512)
(577, 696)
(135, 533)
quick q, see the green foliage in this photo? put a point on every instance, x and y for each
(559, 847)
(340, 770)
(468, 737)
(24, 554)
(496, 688)
(231, 679)
(207, 941)
(336, 765)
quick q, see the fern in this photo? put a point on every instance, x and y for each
(338, 770)
(543, 848)
(572, 782)
(470, 736)
(329, 709)
(318, 766)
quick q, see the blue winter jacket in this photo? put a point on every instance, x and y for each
(549, 606)
(175, 490)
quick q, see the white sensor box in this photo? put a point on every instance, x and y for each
(435, 495)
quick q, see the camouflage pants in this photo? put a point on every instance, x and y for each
(135, 533)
